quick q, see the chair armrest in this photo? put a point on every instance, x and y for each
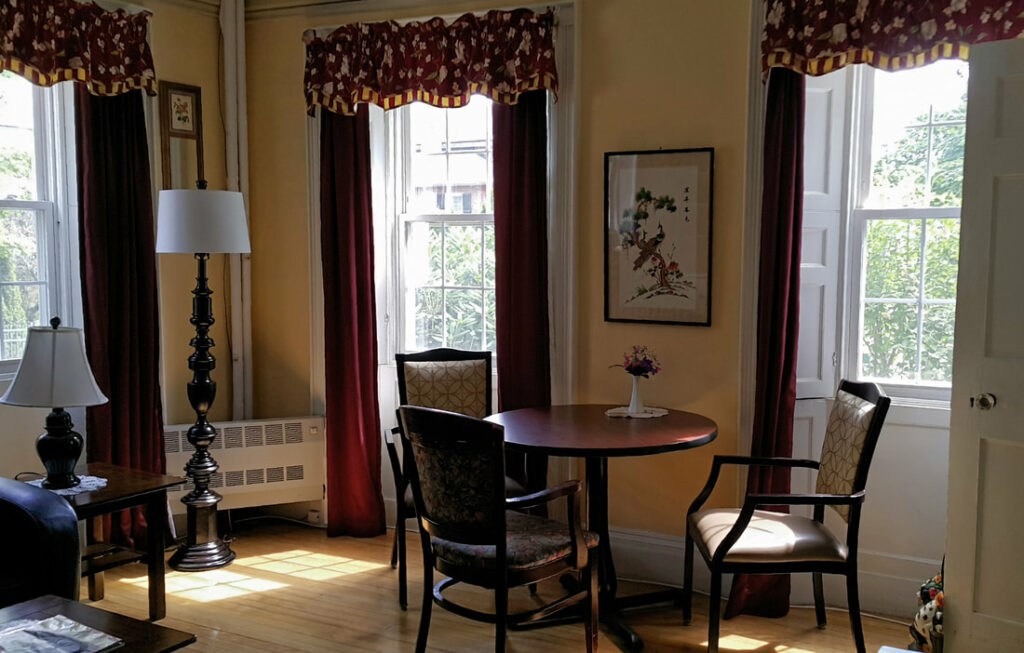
(804, 499)
(571, 490)
(543, 496)
(718, 461)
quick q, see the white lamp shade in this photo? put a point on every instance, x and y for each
(207, 221)
(54, 371)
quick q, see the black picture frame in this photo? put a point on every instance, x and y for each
(658, 211)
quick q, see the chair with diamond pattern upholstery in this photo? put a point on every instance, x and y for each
(447, 379)
(473, 534)
(752, 541)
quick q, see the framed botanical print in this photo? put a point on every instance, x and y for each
(657, 255)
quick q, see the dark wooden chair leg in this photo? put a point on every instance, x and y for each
(853, 600)
(500, 617)
(394, 549)
(688, 582)
(590, 617)
(819, 599)
(403, 567)
(428, 603)
(714, 611)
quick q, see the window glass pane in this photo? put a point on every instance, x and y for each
(889, 342)
(423, 253)
(463, 258)
(428, 147)
(23, 298)
(464, 324)
(469, 127)
(428, 318)
(937, 343)
(914, 148)
(947, 165)
(489, 255)
(941, 256)
(490, 341)
(17, 138)
(892, 259)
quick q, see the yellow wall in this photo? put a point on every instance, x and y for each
(186, 50)
(662, 73)
(672, 75)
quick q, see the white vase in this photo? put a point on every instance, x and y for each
(635, 405)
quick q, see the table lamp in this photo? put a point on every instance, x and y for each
(54, 373)
(201, 222)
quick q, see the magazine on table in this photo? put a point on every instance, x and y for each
(57, 634)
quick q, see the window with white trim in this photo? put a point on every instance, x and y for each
(904, 227)
(439, 172)
(38, 246)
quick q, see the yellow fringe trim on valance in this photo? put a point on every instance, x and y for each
(39, 78)
(824, 65)
(371, 96)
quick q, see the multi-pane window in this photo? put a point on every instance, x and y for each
(906, 220)
(446, 225)
(25, 218)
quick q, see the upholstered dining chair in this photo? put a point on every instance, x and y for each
(447, 379)
(754, 541)
(473, 534)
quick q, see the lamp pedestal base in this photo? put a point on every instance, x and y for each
(59, 449)
(203, 549)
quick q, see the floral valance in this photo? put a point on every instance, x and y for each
(816, 37)
(500, 54)
(50, 42)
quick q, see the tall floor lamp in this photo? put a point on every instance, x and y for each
(201, 222)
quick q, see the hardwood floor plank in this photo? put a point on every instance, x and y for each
(294, 589)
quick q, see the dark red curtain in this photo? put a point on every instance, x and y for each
(355, 505)
(777, 320)
(521, 265)
(117, 254)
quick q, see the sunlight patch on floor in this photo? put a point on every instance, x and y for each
(308, 565)
(738, 643)
(790, 649)
(207, 586)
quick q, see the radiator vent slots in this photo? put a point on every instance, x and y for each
(262, 462)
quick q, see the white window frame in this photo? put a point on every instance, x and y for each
(396, 131)
(56, 190)
(860, 109)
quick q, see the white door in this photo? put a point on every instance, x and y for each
(984, 582)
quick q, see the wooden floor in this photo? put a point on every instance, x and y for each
(293, 589)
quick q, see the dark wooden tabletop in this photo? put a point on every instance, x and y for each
(584, 430)
(124, 487)
(139, 636)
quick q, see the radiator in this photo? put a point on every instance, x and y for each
(262, 462)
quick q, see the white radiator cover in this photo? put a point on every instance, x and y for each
(262, 462)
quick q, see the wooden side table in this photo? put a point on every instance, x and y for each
(126, 488)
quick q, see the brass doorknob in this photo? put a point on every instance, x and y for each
(984, 401)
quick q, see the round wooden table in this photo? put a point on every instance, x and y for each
(583, 431)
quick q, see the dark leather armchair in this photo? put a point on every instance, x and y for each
(40, 544)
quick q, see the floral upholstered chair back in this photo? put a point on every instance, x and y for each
(460, 383)
(459, 464)
(848, 447)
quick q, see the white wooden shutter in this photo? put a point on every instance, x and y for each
(824, 166)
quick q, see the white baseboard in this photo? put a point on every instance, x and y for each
(888, 582)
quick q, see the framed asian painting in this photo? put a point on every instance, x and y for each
(657, 242)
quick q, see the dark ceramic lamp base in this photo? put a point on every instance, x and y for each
(59, 449)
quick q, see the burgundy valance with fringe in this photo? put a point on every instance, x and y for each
(500, 54)
(50, 42)
(816, 37)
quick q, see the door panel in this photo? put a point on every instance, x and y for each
(984, 574)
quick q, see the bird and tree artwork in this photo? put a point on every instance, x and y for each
(658, 236)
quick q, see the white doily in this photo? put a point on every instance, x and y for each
(85, 484)
(649, 411)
